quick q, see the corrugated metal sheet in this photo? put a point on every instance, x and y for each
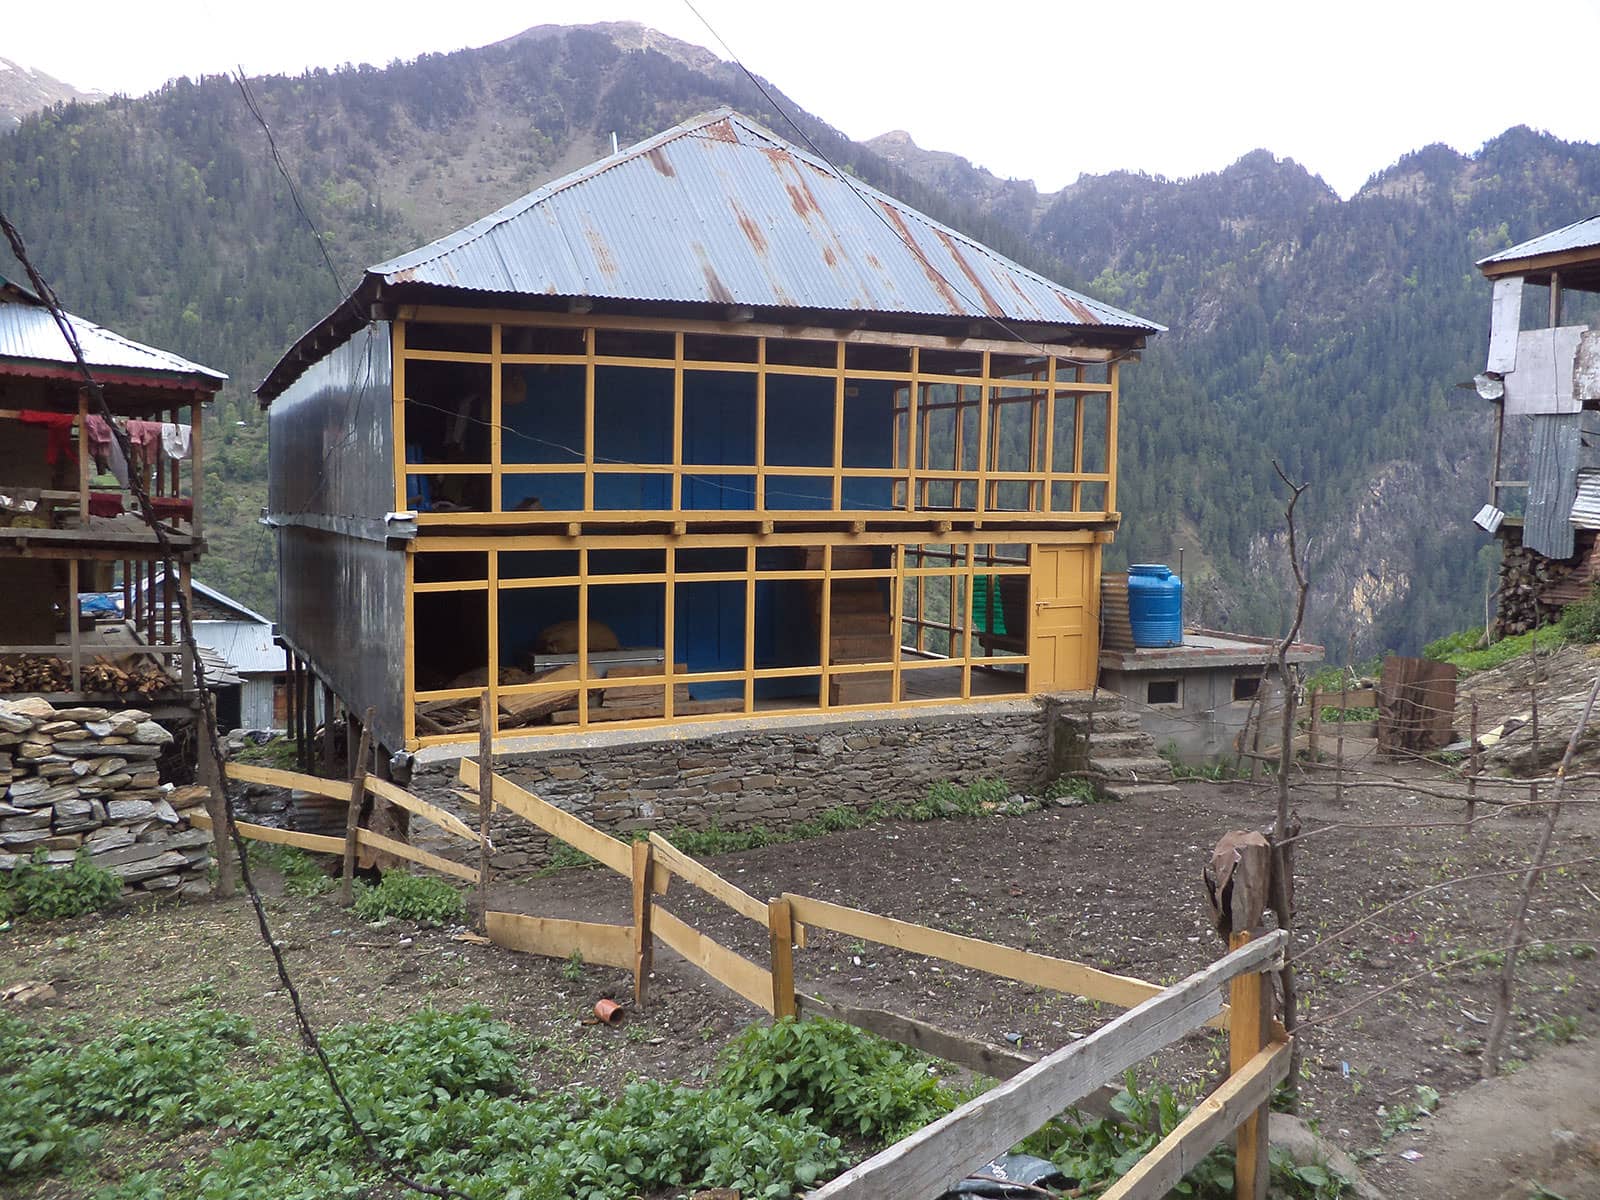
(1585, 512)
(27, 331)
(1580, 235)
(1552, 483)
(720, 210)
(245, 645)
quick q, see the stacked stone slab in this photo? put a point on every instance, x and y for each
(85, 779)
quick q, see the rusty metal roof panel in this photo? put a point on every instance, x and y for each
(1580, 235)
(28, 332)
(722, 211)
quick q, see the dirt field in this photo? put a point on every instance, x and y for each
(1114, 884)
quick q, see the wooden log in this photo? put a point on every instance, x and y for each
(930, 1160)
(358, 796)
(607, 945)
(1058, 974)
(733, 971)
(526, 708)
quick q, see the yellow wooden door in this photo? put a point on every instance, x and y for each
(1064, 634)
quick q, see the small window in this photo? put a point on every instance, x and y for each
(1245, 687)
(1163, 691)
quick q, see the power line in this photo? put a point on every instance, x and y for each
(909, 244)
(308, 1033)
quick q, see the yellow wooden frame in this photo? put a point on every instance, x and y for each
(973, 487)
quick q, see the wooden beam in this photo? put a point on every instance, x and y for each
(697, 874)
(607, 945)
(570, 829)
(1059, 974)
(445, 866)
(1211, 1120)
(333, 789)
(951, 1148)
(734, 972)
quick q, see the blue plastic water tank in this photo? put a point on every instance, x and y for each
(1155, 605)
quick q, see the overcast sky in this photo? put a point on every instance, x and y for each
(1036, 90)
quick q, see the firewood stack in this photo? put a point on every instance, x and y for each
(85, 779)
(1534, 589)
(48, 673)
(860, 627)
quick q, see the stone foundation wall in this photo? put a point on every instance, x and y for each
(85, 780)
(770, 777)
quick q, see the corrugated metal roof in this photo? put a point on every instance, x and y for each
(1580, 235)
(722, 211)
(246, 645)
(1586, 505)
(27, 331)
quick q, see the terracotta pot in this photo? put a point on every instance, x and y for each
(609, 1011)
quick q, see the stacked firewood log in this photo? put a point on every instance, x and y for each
(48, 673)
(1527, 579)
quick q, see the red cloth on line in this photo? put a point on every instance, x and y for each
(60, 440)
(105, 504)
(167, 507)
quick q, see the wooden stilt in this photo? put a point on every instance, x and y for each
(352, 819)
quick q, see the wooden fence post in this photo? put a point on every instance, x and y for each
(1338, 745)
(1313, 740)
(1248, 1023)
(643, 939)
(485, 798)
(1473, 766)
(216, 795)
(780, 926)
(352, 818)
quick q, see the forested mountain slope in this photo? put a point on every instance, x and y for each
(1326, 334)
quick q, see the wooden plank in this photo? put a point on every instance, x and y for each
(633, 712)
(574, 831)
(1059, 974)
(333, 789)
(949, 1149)
(699, 875)
(401, 798)
(607, 945)
(997, 1062)
(445, 866)
(316, 842)
(1211, 1120)
(734, 972)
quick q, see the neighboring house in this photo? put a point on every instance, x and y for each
(243, 639)
(79, 565)
(703, 431)
(1543, 377)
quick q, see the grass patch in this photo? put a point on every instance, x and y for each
(1465, 652)
(441, 1095)
(275, 752)
(42, 893)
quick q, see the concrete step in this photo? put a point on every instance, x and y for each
(1138, 791)
(1119, 743)
(1135, 770)
(1076, 704)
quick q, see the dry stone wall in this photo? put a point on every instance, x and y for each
(82, 779)
(773, 778)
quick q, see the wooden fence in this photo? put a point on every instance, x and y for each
(1034, 1090)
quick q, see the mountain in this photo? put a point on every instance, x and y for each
(1322, 334)
(24, 90)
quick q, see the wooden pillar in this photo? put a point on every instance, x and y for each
(288, 693)
(74, 637)
(643, 939)
(1312, 738)
(83, 458)
(352, 818)
(327, 731)
(150, 602)
(780, 930)
(127, 588)
(485, 797)
(169, 597)
(1249, 1020)
(197, 467)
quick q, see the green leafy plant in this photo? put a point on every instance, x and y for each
(1580, 622)
(1400, 1118)
(419, 898)
(44, 893)
(1469, 653)
(1071, 787)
